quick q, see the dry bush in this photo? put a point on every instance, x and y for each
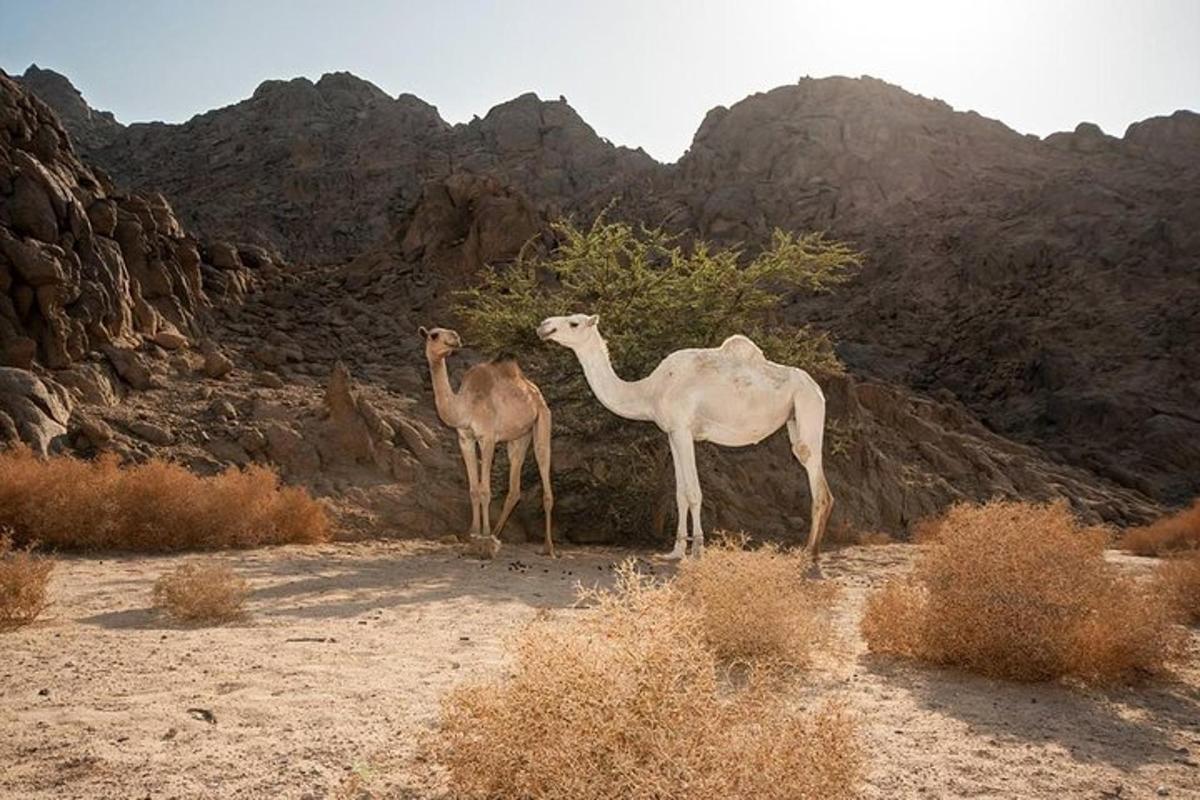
(64, 502)
(24, 579)
(629, 702)
(757, 605)
(207, 591)
(1021, 591)
(1168, 534)
(1178, 580)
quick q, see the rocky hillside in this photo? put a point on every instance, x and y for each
(320, 171)
(1052, 286)
(1014, 287)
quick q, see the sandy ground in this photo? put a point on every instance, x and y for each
(327, 688)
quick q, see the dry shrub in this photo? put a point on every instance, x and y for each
(1021, 591)
(629, 702)
(757, 605)
(157, 506)
(1178, 581)
(206, 591)
(1167, 534)
(24, 579)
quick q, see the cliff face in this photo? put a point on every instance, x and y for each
(84, 265)
(1046, 288)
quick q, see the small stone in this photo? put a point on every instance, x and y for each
(154, 434)
(170, 340)
(217, 364)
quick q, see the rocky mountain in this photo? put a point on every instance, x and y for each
(1014, 288)
(89, 128)
(1052, 286)
(320, 171)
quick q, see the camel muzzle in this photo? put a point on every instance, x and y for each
(545, 333)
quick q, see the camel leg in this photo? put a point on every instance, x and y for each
(807, 440)
(541, 452)
(467, 445)
(685, 450)
(487, 451)
(681, 503)
(517, 449)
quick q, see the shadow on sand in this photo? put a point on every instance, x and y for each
(1124, 727)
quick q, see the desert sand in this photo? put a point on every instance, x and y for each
(327, 688)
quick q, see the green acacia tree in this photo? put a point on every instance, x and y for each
(654, 296)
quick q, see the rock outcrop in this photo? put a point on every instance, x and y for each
(89, 275)
(88, 128)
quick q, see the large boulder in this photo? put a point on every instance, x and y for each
(33, 410)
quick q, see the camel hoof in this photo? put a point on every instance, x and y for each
(548, 552)
(674, 555)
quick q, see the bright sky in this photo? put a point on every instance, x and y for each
(642, 72)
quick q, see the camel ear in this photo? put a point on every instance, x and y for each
(593, 320)
(423, 331)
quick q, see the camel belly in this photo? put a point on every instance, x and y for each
(746, 419)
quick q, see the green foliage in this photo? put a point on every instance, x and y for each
(654, 296)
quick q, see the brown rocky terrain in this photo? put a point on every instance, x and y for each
(1051, 286)
(378, 207)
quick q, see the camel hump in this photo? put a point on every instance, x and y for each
(741, 347)
(506, 364)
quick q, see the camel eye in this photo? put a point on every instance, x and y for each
(574, 324)
(433, 336)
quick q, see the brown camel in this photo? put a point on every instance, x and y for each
(494, 403)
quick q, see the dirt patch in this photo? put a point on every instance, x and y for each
(347, 649)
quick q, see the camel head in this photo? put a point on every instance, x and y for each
(571, 331)
(439, 342)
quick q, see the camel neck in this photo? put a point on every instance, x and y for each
(623, 398)
(443, 396)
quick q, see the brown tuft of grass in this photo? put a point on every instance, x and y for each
(629, 701)
(206, 591)
(67, 503)
(24, 580)
(1178, 580)
(1168, 534)
(1021, 591)
(757, 605)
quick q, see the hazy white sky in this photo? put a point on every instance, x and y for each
(642, 73)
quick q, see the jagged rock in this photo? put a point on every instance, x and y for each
(33, 410)
(130, 366)
(19, 352)
(223, 255)
(92, 383)
(170, 339)
(227, 451)
(217, 364)
(97, 432)
(83, 266)
(290, 450)
(151, 432)
(89, 128)
(223, 409)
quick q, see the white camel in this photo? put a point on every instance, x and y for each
(729, 395)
